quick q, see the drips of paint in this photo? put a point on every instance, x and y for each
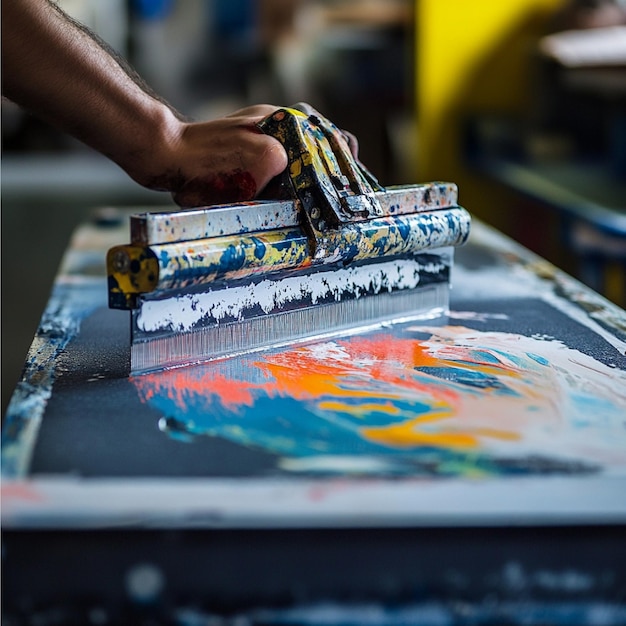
(459, 401)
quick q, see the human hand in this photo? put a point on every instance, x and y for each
(221, 161)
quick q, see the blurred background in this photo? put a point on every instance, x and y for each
(521, 103)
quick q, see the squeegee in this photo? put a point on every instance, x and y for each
(333, 252)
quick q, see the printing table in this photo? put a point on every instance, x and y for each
(465, 470)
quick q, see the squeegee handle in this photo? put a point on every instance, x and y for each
(333, 188)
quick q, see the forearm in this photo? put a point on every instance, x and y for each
(62, 73)
(55, 69)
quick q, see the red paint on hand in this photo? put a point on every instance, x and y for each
(224, 188)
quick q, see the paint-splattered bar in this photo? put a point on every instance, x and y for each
(182, 265)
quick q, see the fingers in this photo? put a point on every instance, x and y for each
(274, 161)
(263, 110)
(306, 108)
(351, 140)
(353, 143)
(235, 166)
(257, 111)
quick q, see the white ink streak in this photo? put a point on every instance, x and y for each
(182, 312)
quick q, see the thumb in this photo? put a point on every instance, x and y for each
(272, 162)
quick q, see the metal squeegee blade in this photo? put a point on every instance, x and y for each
(197, 327)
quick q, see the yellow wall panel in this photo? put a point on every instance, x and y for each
(471, 56)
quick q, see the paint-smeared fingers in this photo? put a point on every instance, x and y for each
(351, 139)
(353, 143)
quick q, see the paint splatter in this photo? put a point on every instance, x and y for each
(439, 401)
(60, 323)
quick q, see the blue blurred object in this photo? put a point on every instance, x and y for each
(152, 9)
(234, 17)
